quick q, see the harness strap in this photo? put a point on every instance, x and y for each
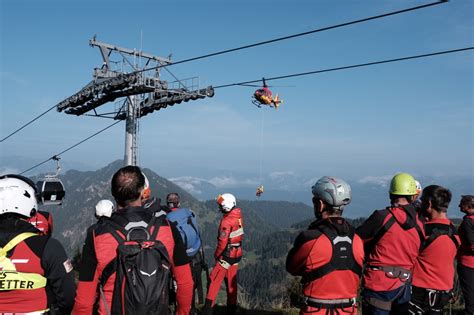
(394, 272)
(334, 303)
(14, 242)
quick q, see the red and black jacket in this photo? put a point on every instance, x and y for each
(43, 221)
(230, 237)
(392, 239)
(466, 234)
(100, 249)
(40, 255)
(329, 257)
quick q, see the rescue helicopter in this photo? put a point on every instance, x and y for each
(264, 96)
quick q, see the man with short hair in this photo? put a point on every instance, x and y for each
(433, 274)
(193, 269)
(466, 253)
(329, 255)
(35, 272)
(100, 248)
(392, 238)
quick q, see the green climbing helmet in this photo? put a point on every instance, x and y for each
(403, 184)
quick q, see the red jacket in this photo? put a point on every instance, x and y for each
(397, 247)
(466, 234)
(100, 248)
(313, 250)
(434, 267)
(230, 236)
(40, 255)
(43, 221)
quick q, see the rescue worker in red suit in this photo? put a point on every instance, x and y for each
(329, 255)
(392, 239)
(227, 255)
(100, 246)
(466, 253)
(433, 274)
(43, 221)
(35, 273)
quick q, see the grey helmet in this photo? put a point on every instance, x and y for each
(333, 191)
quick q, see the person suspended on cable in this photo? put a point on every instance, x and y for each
(259, 191)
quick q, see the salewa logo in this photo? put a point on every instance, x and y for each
(148, 274)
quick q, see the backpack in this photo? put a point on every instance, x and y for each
(142, 269)
(341, 238)
(185, 221)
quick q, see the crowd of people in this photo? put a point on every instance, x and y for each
(142, 257)
(401, 260)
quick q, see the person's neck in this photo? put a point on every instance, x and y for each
(438, 215)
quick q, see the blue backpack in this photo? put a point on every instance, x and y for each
(185, 221)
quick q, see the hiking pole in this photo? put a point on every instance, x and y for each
(205, 266)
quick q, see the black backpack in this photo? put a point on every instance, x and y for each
(142, 270)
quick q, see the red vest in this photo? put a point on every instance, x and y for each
(230, 236)
(24, 301)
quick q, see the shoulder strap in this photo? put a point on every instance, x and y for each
(437, 232)
(111, 267)
(335, 263)
(15, 241)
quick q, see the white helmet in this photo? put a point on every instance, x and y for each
(418, 188)
(17, 195)
(146, 189)
(104, 208)
(226, 202)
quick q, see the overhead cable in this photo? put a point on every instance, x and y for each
(296, 35)
(70, 148)
(264, 43)
(28, 123)
(348, 67)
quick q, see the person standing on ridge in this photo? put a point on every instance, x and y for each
(34, 269)
(227, 255)
(184, 221)
(159, 246)
(329, 255)
(392, 239)
(433, 274)
(466, 253)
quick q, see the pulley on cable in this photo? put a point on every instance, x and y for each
(51, 189)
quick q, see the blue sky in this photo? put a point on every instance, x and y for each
(414, 116)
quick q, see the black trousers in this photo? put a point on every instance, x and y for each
(466, 279)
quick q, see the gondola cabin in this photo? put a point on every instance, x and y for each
(51, 191)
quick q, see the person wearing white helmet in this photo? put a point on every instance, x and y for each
(328, 255)
(104, 208)
(30, 263)
(228, 253)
